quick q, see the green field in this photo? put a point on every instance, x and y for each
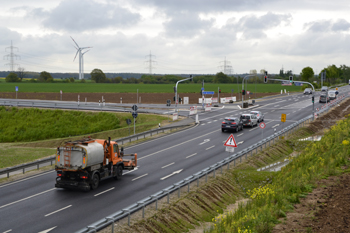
(142, 88)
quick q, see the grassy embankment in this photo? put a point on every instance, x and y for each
(29, 134)
(270, 194)
(142, 88)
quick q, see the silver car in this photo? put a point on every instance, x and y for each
(308, 91)
(258, 115)
(249, 120)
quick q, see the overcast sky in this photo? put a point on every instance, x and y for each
(183, 36)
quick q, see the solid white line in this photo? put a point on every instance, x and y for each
(210, 147)
(103, 192)
(168, 165)
(139, 177)
(191, 155)
(27, 198)
(58, 210)
(204, 135)
(240, 134)
(7, 231)
(26, 179)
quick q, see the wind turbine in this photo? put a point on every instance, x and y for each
(82, 62)
(79, 50)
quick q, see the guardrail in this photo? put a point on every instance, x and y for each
(176, 187)
(121, 141)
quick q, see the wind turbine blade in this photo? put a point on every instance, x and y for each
(85, 52)
(75, 42)
(76, 54)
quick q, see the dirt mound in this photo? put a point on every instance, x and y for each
(324, 210)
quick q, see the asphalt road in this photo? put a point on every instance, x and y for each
(34, 205)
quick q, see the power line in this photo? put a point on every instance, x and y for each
(150, 62)
(12, 57)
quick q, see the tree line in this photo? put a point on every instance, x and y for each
(333, 73)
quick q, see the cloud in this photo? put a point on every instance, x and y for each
(186, 25)
(79, 16)
(322, 26)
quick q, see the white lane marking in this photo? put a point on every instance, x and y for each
(240, 142)
(27, 198)
(48, 230)
(139, 177)
(175, 172)
(168, 165)
(7, 231)
(203, 124)
(191, 155)
(252, 129)
(26, 179)
(215, 120)
(205, 141)
(240, 134)
(210, 147)
(276, 105)
(103, 192)
(272, 110)
(58, 210)
(178, 144)
(136, 168)
(275, 126)
(209, 122)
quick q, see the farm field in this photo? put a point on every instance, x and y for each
(142, 88)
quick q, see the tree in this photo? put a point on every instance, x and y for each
(71, 80)
(45, 77)
(222, 78)
(307, 73)
(98, 76)
(12, 77)
(21, 73)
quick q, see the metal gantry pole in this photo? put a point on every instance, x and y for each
(176, 97)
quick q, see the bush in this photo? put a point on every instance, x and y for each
(12, 77)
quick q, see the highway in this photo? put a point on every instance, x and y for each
(34, 205)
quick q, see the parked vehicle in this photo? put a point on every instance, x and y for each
(308, 91)
(324, 98)
(232, 123)
(332, 95)
(249, 120)
(258, 115)
(324, 89)
(83, 163)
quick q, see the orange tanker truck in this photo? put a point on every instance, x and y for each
(82, 164)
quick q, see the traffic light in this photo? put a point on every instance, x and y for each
(291, 79)
(174, 98)
(219, 90)
(243, 92)
(174, 89)
(265, 79)
(201, 92)
(180, 99)
(265, 73)
(313, 99)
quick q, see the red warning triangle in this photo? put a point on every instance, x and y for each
(231, 141)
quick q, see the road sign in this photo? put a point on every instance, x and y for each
(231, 141)
(134, 114)
(208, 92)
(336, 88)
(262, 125)
(202, 89)
(134, 107)
(283, 117)
(248, 92)
(128, 121)
(16, 88)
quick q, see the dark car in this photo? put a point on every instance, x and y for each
(231, 123)
(324, 98)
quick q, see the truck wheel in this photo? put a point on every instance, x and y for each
(119, 173)
(95, 181)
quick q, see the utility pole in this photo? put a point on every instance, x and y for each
(12, 57)
(226, 68)
(150, 62)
